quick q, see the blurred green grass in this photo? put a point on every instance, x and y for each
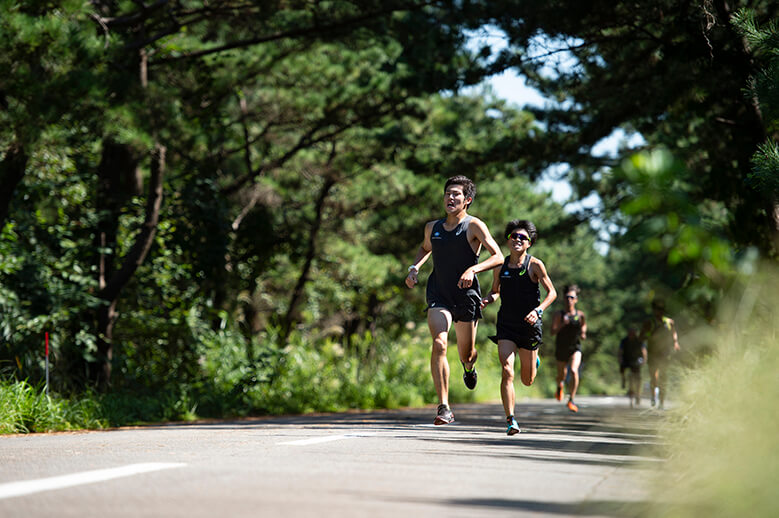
(722, 438)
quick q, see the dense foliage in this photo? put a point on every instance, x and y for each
(212, 203)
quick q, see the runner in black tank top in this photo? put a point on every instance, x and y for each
(452, 255)
(519, 318)
(632, 355)
(453, 289)
(519, 295)
(570, 327)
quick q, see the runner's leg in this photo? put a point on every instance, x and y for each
(575, 362)
(439, 320)
(466, 342)
(562, 372)
(654, 374)
(527, 363)
(506, 350)
(661, 381)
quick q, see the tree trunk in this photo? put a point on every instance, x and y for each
(12, 170)
(297, 293)
(112, 282)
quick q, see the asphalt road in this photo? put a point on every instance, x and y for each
(388, 463)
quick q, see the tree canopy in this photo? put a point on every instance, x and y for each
(184, 178)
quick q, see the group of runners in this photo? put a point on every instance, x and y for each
(653, 346)
(454, 298)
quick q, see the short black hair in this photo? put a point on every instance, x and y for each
(524, 224)
(469, 188)
(571, 287)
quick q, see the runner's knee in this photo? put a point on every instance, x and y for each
(439, 344)
(508, 372)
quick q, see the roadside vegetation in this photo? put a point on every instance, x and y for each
(721, 439)
(321, 378)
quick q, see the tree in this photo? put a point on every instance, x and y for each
(763, 87)
(673, 71)
(239, 96)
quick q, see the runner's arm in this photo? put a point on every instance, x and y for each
(557, 323)
(673, 332)
(494, 291)
(423, 253)
(584, 325)
(538, 270)
(482, 234)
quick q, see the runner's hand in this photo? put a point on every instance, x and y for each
(412, 279)
(466, 279)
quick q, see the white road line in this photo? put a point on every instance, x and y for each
(329, 438)
(27, 487)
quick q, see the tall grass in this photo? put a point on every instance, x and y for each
(26, 409)
(723, 438)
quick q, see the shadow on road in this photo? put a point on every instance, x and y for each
(588, 508)
(605, 435)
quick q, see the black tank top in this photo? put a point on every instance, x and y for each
(631, 349)
(519, 295)
(570, 333)
(452, 255)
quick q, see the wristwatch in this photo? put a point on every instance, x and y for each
(539, 311)
(413, 267)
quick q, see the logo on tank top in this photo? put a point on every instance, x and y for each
(436, 235)
(459, 230)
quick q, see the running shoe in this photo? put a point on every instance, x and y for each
(444, 416)
(513, 427)
(559, 393)
(470, 377)
(572, 406)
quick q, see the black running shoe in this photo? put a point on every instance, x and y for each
(470, 377)
(445, 415)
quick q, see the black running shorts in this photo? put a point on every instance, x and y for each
(466, 306)
(522, 334)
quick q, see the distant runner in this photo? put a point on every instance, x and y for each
(519, 317)
(453, 293)
(632, 355)
(570, 326)
(661, 339)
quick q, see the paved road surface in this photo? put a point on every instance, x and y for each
(391, 463)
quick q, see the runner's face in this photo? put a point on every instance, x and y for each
(571, 298)
(518, 240)
(454, 199)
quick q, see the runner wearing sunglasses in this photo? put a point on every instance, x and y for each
(570, 327)
(519, 327)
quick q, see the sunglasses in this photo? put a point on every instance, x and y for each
(571, 297)
(517, 236)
